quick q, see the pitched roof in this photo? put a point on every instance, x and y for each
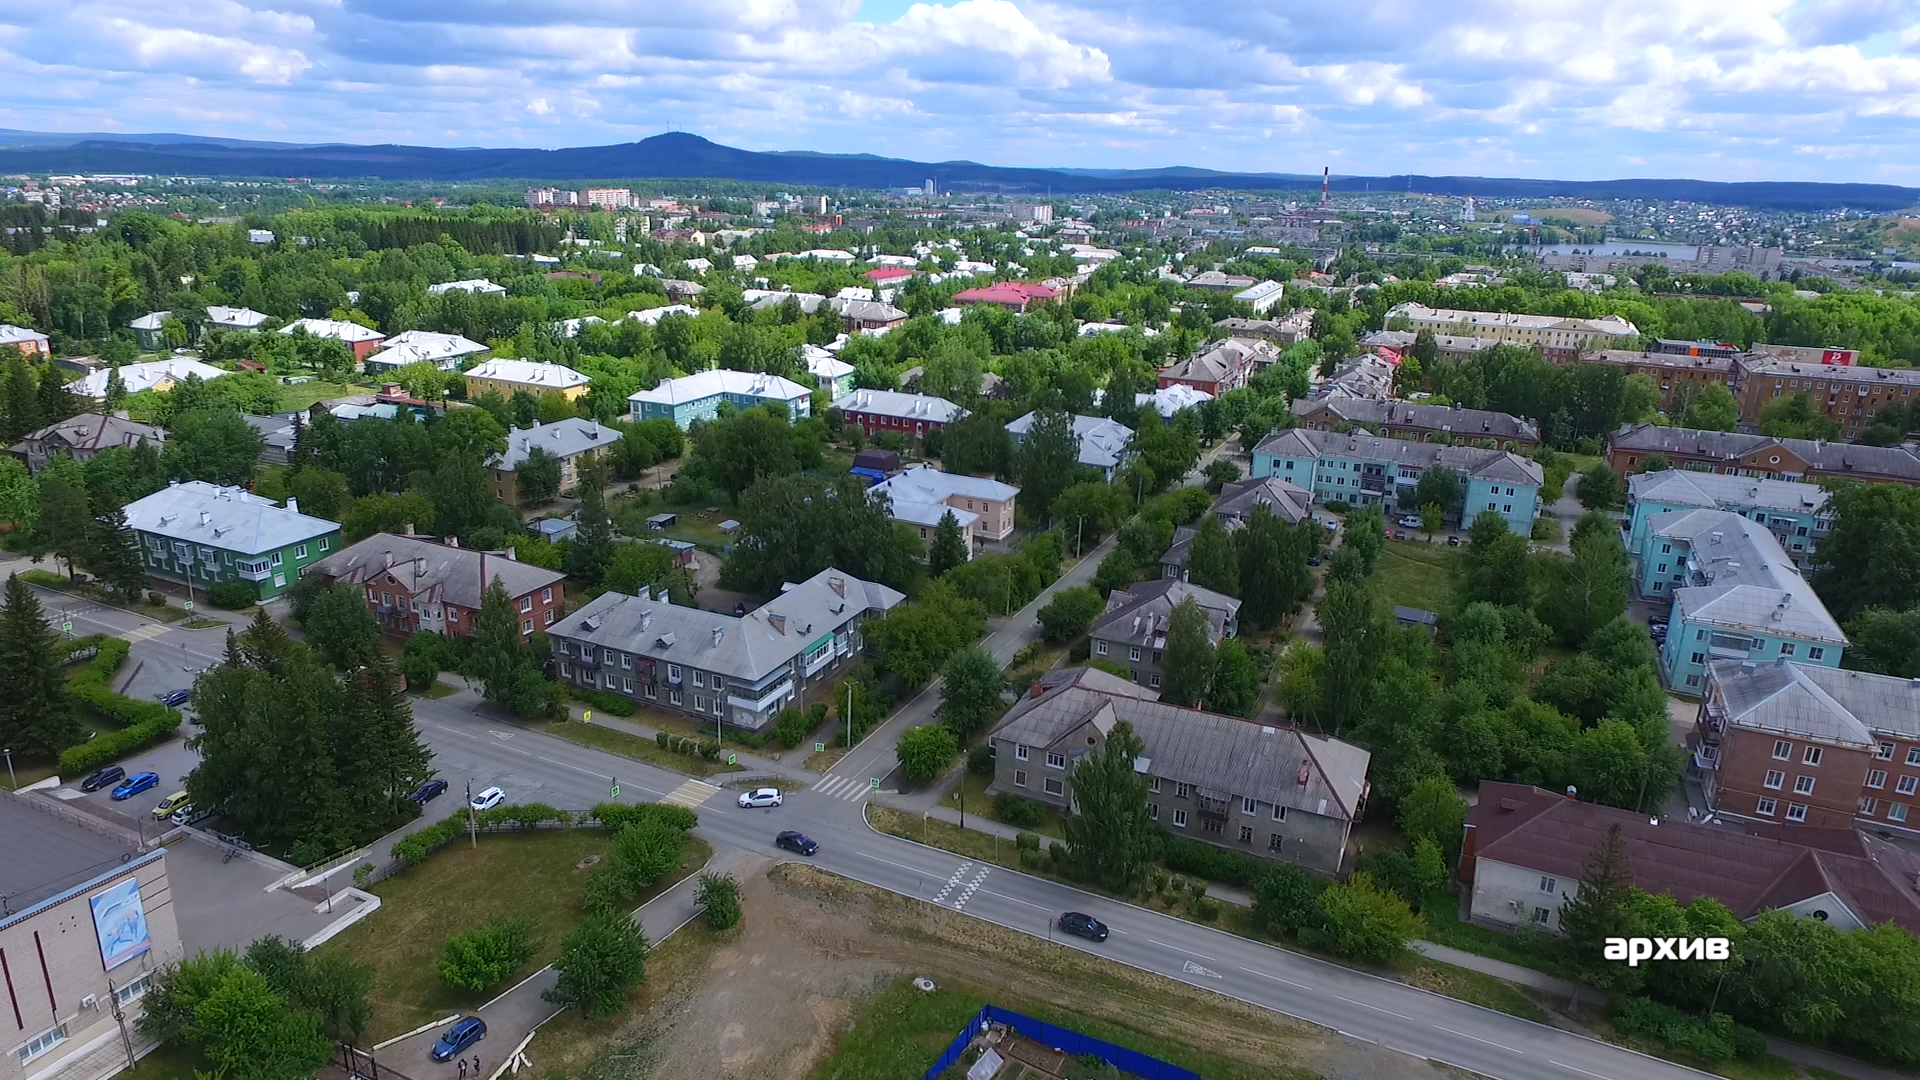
(1612, 325)
(1895, 462)
(238, 318)
(705, 384)
(822, 364)
(1237, 503)
(414, 346)
(1221, 755)
(138, 377)
(542, 374)
(1220, 361)
(228, 518)
(434, 571)
(93, 431)
(1172, 399)
(1749, 580)
(152, 320)
(1139, 613)
(926, 484)
(562, 439)
(337, 329)
(470, 285)
(934, 410)
(1461, 423)
(1102, 442)
(1503, 466)
(1709, 491)
(1807, 700)
(866, 310)
(11, 334)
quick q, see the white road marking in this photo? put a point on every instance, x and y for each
(1276, 978)
(457, 731)
(1017, 900)
(1192, 968)
(1578, 1069)
(1177, 948)
(1375, 1008)
(1478, 1039)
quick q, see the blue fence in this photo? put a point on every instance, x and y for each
(1067, 1041)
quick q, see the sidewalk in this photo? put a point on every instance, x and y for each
(746, 759)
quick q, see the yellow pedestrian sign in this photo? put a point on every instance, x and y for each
(587, 716)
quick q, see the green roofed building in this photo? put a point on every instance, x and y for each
(201, 534)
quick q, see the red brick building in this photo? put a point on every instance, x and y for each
(413, 584)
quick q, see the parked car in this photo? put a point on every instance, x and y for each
(798, 843)
(489, 799)
(1410, 521)
(1313, 560)
(186, 815)
(428, 791)
(173, 699)
(112, 774)
(758, 798)
(464, 1033)
(1331, 525)
(135, 784)
(169, 804)
(1086, 926)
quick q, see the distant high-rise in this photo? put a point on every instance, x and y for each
(1466, 213)
(1326, 184)
(928, 187)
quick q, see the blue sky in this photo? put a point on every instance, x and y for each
(1717, 89)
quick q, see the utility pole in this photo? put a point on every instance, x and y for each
(473, 827)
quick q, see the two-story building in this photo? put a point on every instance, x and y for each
(572, 440)
(1422, 423)
(80, 437)
(159, 376)
(1736, 595)
(1361, 470)
(444, 351)
(1796, 513)
(505, 377)
(1236, 504)
(413, 584)
(1272, 792)
(1103, 443)
(1740, 454)
(919, 497)
(713, 667)
(1559, 338)
(911, 416)
(700, 395)
(197, 534)
(1220, 366)
(1133, 630)
(236, 319)
(362, 341)
(27, 341)
(831, 374)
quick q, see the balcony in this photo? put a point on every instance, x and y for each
(765, 701)
(1209, 806)
(252, 571)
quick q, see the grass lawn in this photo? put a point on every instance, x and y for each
(307, 394)
(439, 690)
(1416, 574)
(170, 1062)
(462, 887)
(627, 744)
(47, 579)
(980, 803)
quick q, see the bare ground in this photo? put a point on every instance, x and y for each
(768, 999)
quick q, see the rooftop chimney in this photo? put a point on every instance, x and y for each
(717, 634)
(293, 505)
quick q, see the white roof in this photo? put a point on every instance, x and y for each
(1259, 291)
(414, 346)
(537, 374)
(699, 264)
(1751, 582)
(1684, 487)
(706, 384)
(917, 512)
(926, 407)
(138, 377)
(471, 285)
(12, 334)
(562, 439)
(1172, 399)
(926, 484)
(652, 316)
(745, 262)
(571, 327)
(150, 321)
(229, 518)
(907, 261)
(237, 318)
(1612, 325)
(1103, 442)
(822, 364)
(828, 255)
(337, 329)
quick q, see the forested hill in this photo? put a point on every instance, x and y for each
(678, 154)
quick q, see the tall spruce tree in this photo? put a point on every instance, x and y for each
(592, 547)
(53, 402)
(1047, 461)
(376, 743)
(22, 401)
(949, 547)
(35, 714)
(116, 398)
(1602, 909)
(508, 673)
(113, 552)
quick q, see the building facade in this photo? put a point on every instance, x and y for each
(574, 441)
(505, 377)
(444, 351)
(1361, 470)
(1237, 503)
(1133, 631)
(1221, 366)
(1559, 338)
(1796, 513)
(1850, 396)
(1669, 371)
(199, 534)
(360, 340)
(1103, 443)
(876, 412)
(1737, 454)
(699, 396)
(28, 342)
(1421, 423)
(413, 584)
(81, 437)
(922, 495)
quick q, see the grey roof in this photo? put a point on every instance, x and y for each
(1830, 703)
(1221, 755)
(866, 310)
(809, 302)
(1713, 491)
(1762, 366)
(1893, 462)
(1364, 377)
(1752, 584)
(94, 431)
(1462, 423)
(1674, 361)
(1503, 466)
(933, 410)
(42, 854)
(1219, 361)
(562, 439)
(1103, 442)
(745, 647)
(275, 431)
(1138, 615)
(1236, 504)
(451, 575)
(228, 518)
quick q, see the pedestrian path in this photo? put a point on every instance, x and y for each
(690, 794)
(143, 632)
(845, 788)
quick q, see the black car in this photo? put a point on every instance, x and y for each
(106, 777)
(1313, 560)
(176, 698)
(428, 791)
(1453, 541)
(1085, 926)
(796, 842)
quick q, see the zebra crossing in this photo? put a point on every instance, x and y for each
(690, 794)
(845, 788)
(143, 632)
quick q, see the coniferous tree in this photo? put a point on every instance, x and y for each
(949, 547)
(113, 552)
(1212, 562)
(376, 743)
(22, 401)
(53, 402)
(116, 397)
(503, 662)
(1187, 674)
(35, 714)
(1048, 461)
(592, 547)
(1600, 910)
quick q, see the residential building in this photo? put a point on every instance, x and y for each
(572, 440)
(471, 286)
(1669, 371)
(1170, 401)
(413, 584)
(1015, 296)
(652, 316)
(535, 377)
(700, 395)
(1525, 850)
(1809, 354)
(363, 342)
(1234, 507)
(234, 318)
(1395, 344)
(1736, 594)
(1361, 470)
(81, 437)
(1031, 213)
(1287, 329)
(726, 669)
(1796, 513)
(775, 299)
(444, 351)
(1849, 396)
(1133, 631)
(88, 927)
(149, 330)
(199, 534)
(1368, 376)
(1261, 295)
(607, 198)
(831, 374)
(910, 415)
(1716, 349)
(1103, 443)
(922, 495)
(857, 316)
(1421, 423)
(1765, 456)
(1272, 792)
(1220, 366)
(546, 196)
(1558, 338)
(278, 436)
(1216, 281)
(29, 342)
(1808, 745)
(156, 375)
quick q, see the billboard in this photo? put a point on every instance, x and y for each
(1843, 357)
(120, 922)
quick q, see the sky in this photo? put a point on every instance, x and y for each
(1572, 89)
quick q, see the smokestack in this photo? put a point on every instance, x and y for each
(1326, 182)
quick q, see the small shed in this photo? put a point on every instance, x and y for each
(729, 527)
(1408, 616)
(555, 529)
(660, 522)
(683, 552)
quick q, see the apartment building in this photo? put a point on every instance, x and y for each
(362, 341)
(505, 377)
(923, 495)
(1796, 513)
(1668, 371)
(1103, 443)
(1133, 630)
(1283, 331)
(1421, 423)
(573, 440)
(607, 198)
(1220, 366)
(196, 533)
(81, 437)
(413, 584)
(157, 375)
(1559, 338)
(911, 415)
(1848, 395)
(1234, 507)
(1395, 344)
(1739, 454)
(29, 342)
(700, 395)
(1361, 470)
(444, 351)
(537, 197)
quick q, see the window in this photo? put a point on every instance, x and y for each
(1699, 658)
(1877, 778)
(1666, 549)
(1786, 648)
(1056, 761)
(1816, 653)
(1774, 778)
(1796, 812)
(1099, 648)
(276, 558)
(1053, 786)
(1279, 813)
(1274, 841)
(673, 672)
(1765, 808)
(326, 543)
(1019, 751)
(526, 626)
(1913, 756)
(1803, 785)
(1885, 752)
(626, 661)
(1549, 885)
(1019, 778)
(1133, 653)
(1907, 785)
(134, 990)
(1868, 806)
(1812, 756)
(549, 618)
(42, 1043)
(1540, 915)
(1153, 680)
(673, 697)
(1782, 749)
(1246, 834)
(1179, 819)
(1896, 811)
(1153, 811)
(699, 680)
(1246, 806)
(1212, 825)
(1181, 791)
(300, 552)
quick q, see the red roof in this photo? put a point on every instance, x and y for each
(1004, 292)
(887, 273)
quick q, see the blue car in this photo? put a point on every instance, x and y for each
(176, 698)
(464, 1033)
(135, 784)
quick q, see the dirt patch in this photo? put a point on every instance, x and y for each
(770, 999)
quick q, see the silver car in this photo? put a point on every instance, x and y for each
(760, 798)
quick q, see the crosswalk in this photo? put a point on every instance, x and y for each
(142, 632)
(690, 794)
(844, 788)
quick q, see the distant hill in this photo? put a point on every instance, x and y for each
(681, 155)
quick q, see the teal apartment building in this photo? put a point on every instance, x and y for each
(202, 534)
(699, 396)
(1361, 470)
(1736, 596)
(1795, 512)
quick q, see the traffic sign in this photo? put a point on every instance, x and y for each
(818, 747)
(615, 792)
(733, 759)
(587, 716)
(188, 605)
(873, 783)
(67, 626)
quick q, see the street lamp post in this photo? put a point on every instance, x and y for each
(13, 784)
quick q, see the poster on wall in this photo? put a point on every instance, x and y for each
(120, 922)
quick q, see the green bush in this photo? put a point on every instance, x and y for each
(792, 726)
(1713, 1040)
(233, 595)
(611, 704)
(1027, 841)
(617, 816)
(483, 956)
(719, 898)
(416, 846)
(1018, 812)
(980, 760)
(1206, 909)
(1215, 864)
(1337, 507)
(1031, 860)
(142, 723)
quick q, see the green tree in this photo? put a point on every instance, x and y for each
(1438, 486)
(1432, 518)
(1187, 674)
(387, 513)
(22, 413)
(537, 477)
(375, 741)
(482, 957)
(462, 501)
(502, 660)
(1610, 764)
(422, 660)
(340, 628)
(1088, 511)
(1286, 900)
(339, 992)
(1600, 910)
(1714, 409)
(1657, 462)
(1433, 810)
(1355, 626)
(1795, 417)
(1871, 558)
(601, 961)
(19, 496)
(1586, 591)
(915, 639)
(1601, 488)
(1366, 922)
(735, 451)
(1047, 461)
(592, 547)
(36, 716)
(248, 1031)
(65, 520)
(1110, 838)
(321, 493)
(1274, 576)
(643, 565)
(1236, 680)
(116, 398)
(215, 445)
(978, 445)
(1212, 562)
(53, 402)
(970, 687)
(1495, 564)
(926, 751)
(949, 547)
(1885, 641)
(1070, 613)
(718, 898)
(113, 551)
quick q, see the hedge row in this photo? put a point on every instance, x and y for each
(1713, 1040)
(611, 704)
(1215, 864)
(143, 723)
(415, 847)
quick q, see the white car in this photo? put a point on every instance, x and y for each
(1410, 521)
(759, 798)
(489, 799)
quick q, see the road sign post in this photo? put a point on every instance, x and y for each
(587, 716)
(614, 792)
(818, 747)
(733, 759)
(188, 606)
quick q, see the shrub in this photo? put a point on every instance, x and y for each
(617, 816)
(232, 595)
(1215, 864)
(483, 956)
(611, 704)
(1018, 812)
(157, 599)
(1197, 887)
(142, 723)
(1713, 1040)
(661, 738)
(1205, 909)
(1027, 841)
(980, 760)
(792, 727)
(1337, 507)
(1030, 860)
(719, 897)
